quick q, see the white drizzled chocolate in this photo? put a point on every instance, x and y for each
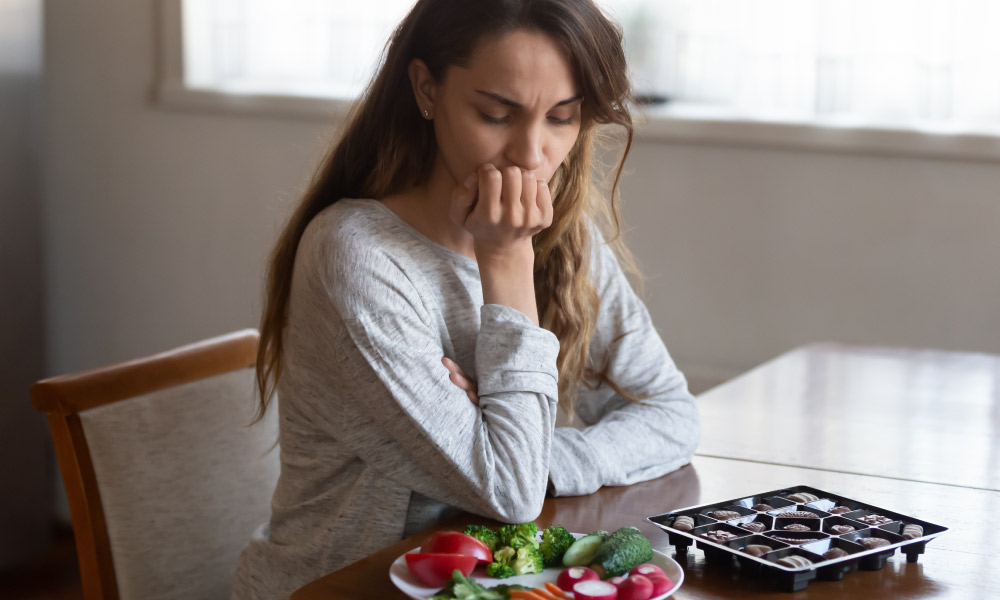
(803, 497)
(683, 523)
(794, 561)
(911, 531)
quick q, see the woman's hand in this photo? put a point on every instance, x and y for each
(459, 378)
(503, 209)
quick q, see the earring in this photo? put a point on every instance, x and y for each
(427, 114)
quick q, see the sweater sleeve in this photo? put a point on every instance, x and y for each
(368, 367)
(631, 442)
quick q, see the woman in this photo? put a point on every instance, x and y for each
(442, 297)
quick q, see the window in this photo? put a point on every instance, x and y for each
(903, 65)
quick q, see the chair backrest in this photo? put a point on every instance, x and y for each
(165, 480)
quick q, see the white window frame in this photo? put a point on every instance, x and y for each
(671, 124)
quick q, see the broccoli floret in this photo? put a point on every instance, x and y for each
(483, 534)
(501, 566)
(499, 571)
(529, 560)
(516, 536)
(555, 541)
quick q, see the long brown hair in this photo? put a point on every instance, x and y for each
(387, 148)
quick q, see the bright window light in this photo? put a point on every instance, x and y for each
(919, 64)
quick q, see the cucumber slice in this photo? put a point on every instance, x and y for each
(582, 551)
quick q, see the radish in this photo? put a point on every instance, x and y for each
(573, 575)
(636, 587)
(646, 570)
(661, 584)
(617, 581)
(595, 589)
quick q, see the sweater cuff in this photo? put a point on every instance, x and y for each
(515, 355)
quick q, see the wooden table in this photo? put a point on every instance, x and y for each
(818, 396)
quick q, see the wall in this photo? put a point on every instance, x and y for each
(24, 458)
(157, 224)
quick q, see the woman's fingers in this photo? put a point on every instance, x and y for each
(463, 199)
(459, 378)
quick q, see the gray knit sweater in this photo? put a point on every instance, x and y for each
(377, 443)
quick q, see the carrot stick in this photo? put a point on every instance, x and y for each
(525, 595)
(556, 591)
(543, 594)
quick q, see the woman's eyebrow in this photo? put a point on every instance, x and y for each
(508, 102)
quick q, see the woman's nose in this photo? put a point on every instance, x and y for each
(524, 149)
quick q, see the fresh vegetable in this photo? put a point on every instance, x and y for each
(515, 536)
(624, 549)
(604, 534)
(555, 541)
(526, 595)
(528, 560)
(616, 581)
(436, 569)
(636, 587)
(453, 542)
(555, 590)
(461, 587)
(661, 584)
(582, 551)
(573, 575)
(595, 590)
(502, 565)
(485, 535)
(647, 570)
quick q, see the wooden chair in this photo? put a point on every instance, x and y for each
(165, 480)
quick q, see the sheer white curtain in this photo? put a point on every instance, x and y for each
(910, 63)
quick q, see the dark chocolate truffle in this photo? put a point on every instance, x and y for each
(797, 527)
(753, 526)
(761, 507)
(841, 529)
(835, 553)
(800, 514)
(839, 510)
(796, 541)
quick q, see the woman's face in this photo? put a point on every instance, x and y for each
(515, 104)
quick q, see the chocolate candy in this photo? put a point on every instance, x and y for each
(911, 531)
(834, 553)
(796, 541)
(795, 562)
(803, 497)
(873, 542)
(719, 537)
(757, 549)
(683, 523)
(797, 527)
(875, 520)
(841, 529)
(800, 514)
(761, 507)
(756, 526)
(723, 515)
(839, 510)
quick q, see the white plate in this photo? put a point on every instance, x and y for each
(407, 583)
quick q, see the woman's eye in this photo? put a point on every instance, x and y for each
(558, 121)
(493, 120)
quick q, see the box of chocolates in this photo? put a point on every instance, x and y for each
(797, 534)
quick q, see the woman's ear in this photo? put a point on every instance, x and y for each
(423, 87)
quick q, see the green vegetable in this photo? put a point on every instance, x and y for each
(519, 535)
(529, 560)
(604, 534)
(502, 565)
(466, 588)
(582, 551)
(555, 541)
(484, 534)
(626, 548)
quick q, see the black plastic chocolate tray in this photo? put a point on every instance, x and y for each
(815, 537)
